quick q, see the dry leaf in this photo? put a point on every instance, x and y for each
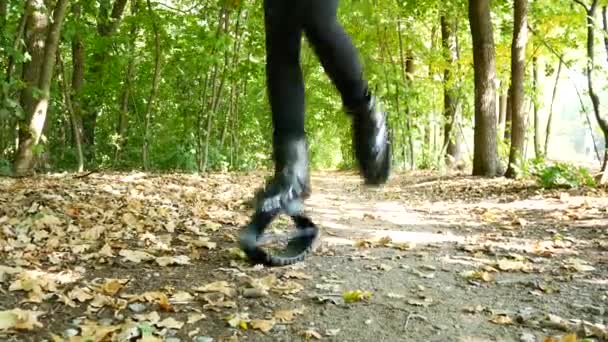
(181, 298)
(170, 323)
(262, 325)
(218, 286)
(112, 286)
(135, 256)
(176, 260)
(152, 317)
(297, 275)
(502, 320)
(511, 265)
(289, 287)
(287, 316)
(195, 317)
(310, 333)
(106, 251)
(238, 320)
(18, 319)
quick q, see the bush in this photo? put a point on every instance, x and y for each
(557, 175)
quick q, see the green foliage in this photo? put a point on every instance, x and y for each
(212, 104)
(556, 174)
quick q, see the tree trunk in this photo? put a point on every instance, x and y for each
(518, 65)
(595, 100)
(502, 114)
(67, 99)
(37, 74)
(106, 26)
(154, 90)
(539, 71)
(78, 57)
(452, 141)
(485, 154)
(407, 74)
(550, 116)
(3, 11)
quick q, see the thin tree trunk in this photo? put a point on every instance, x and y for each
(550, 116)
(107, 24)
(78, 58)
(154, 90)
(38, 73)
(502, 114)
(595, 100)
(407, 71)
(67, 99)
(485, 156)
(123, 115)
(518, 64)
(452, 141)
(539, 71)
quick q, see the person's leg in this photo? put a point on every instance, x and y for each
(285, 86)
(340, 60)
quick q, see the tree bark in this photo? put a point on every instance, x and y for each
(550, 115)
(3, 12)
(42, 44)
(591, 12)
(539, 71)
(502, 114)
(106, 26)
(154, 90)
(518, 64)
(452, 141)
(78, 57)
(67, 99)
(123, 115)
(485, 149)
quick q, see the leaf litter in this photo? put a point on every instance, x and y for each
(98, 246)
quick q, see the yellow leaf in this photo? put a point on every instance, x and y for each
(355, 296)
(18, 319)
(112, 286)
(570, 338)
(262, 325)
(502, 320)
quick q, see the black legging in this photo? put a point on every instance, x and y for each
(285, 21)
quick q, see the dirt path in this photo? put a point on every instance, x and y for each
(443, 259)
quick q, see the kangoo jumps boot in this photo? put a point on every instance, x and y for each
(371, 141)
(290, 186)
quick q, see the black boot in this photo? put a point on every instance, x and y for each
(290, 186)
(371, 141)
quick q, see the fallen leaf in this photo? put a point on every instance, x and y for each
(175, 260)
(286, 316)
(152, 317)
(135, 256)
(238, 320)
(297, 275)
(310, 333)
(18, 319)
(511, 265)
(356, 296)
(262, 325)
(289, 287)
(195, 317)
(502, 320)
(170, 323)
(112, 286)
(218, 286)
(181, 298)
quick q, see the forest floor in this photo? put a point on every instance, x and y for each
(145, 257)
